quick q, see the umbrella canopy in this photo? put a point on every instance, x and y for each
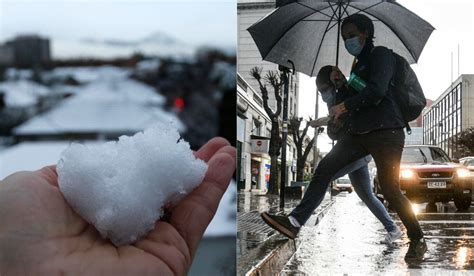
(307, 32)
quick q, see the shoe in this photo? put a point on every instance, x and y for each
(393, 236)
(416, 250)
(280, 223)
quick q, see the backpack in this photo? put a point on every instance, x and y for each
(407, 91)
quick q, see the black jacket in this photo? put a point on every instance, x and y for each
(374, 108)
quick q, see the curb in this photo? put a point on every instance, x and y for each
(276, 259)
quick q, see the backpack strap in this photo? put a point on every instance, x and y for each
(407, 126)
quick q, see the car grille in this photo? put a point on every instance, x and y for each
(435, 174)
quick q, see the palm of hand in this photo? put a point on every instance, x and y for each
(41, 233)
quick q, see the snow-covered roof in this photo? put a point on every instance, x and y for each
(31, 156)
(22, 93)
(112, 105)
(88, 74)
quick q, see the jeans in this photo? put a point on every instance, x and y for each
(386, 147)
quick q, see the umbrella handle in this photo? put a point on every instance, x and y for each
(292, 66)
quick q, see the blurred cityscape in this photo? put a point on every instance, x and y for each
(46, 102)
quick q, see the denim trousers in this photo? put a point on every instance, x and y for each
(386, 147)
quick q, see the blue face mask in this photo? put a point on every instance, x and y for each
(353, 46)
(328, 96)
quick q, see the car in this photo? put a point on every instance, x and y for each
(469, 163)
(427, 174)
(343, 184)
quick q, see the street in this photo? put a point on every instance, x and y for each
(347, 241)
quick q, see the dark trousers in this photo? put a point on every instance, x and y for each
(386, 147)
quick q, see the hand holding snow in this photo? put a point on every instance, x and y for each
(121, 187)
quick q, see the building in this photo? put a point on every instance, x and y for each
(248, 56)
(28, 51)
(253, 124)
(450, 114)
(7, 56)
(416, 136)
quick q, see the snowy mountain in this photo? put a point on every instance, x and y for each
(157, 43)
(156, 38)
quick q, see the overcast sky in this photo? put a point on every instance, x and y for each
(193, 21)
(454, 24)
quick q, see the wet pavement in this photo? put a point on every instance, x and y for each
(347, 242)
(255, 240)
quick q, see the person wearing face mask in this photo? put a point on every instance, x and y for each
(358, 170)
(374, 126)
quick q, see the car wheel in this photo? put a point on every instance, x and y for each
(462, 202)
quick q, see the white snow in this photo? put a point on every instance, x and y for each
(88, 74)
(121, 187)
(148, 65)
(29, 156)
(22, 93)
(111, 104)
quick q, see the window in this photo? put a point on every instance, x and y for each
(256, 127)
(240, 129)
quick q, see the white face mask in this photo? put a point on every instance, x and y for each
(353, 46)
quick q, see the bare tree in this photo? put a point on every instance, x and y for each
(463, 143)
(302, 152)
(274, 79)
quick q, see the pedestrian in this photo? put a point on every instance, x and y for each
(358, 171)
(375, 126)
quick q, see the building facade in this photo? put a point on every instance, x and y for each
(253, 124)
(248, 56)
(7, 56)
(27, 51)
(450, 114)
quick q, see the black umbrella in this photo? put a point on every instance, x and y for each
(307, 32)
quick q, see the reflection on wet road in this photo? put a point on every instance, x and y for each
(347, 241)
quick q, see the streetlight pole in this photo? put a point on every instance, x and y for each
(284, 135)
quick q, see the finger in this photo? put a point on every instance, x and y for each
(210, 148)
(49, 174)
(194, 213)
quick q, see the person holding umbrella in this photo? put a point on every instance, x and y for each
(358, 171)
(375, 126)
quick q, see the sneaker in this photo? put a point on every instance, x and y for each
(393, 236)
(280, 223)
(416, 250)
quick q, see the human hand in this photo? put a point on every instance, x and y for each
(40, 233)
(337, 110)
(323, 121)
(337, 77)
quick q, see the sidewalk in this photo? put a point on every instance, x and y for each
(260, 249)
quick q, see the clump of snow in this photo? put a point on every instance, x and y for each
(22, 93)
(121, 186)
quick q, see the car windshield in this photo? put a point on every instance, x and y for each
(344, 181)
(424, 155)
(469, 162)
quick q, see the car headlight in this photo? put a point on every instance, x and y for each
(405, 174)
(463, 173)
